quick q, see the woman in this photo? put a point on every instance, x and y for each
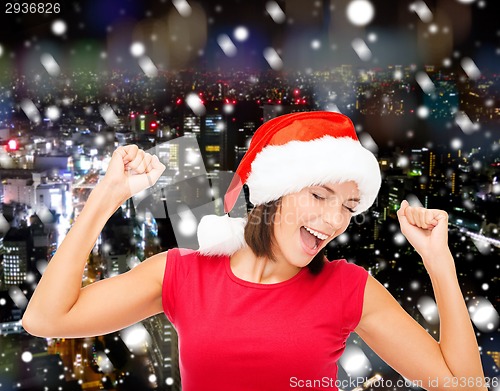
(257, 307)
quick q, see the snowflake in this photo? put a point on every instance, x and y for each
(275, 11)
(360, 12)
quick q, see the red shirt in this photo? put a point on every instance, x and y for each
(240, 335)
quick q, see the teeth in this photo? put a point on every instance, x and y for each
(317, 234)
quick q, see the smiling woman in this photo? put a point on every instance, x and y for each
(307, 222)
(286, 155)
(275, 221)
(274, 310)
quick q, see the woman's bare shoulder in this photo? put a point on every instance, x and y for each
(154, 266)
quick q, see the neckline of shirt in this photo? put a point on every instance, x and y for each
(240, 281)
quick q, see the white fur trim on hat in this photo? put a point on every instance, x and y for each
(279, 170)
(221, 235)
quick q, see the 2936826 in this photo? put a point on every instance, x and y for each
(32, 8)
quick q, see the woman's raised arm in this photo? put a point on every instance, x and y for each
(452, 363)
(60, 307)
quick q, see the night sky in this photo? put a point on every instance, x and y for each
(396, 34)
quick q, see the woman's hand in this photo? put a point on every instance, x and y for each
(426, 230)
(130, 171)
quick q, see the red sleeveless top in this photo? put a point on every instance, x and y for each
(239, 335)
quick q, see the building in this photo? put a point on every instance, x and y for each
(19, 190)
(272, 111)
(53, 195)
(214, 141)
(143, 122)
(495, 356)
(16, 259)
(191, 124)
(120, 238)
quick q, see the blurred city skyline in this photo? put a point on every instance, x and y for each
(420, 79)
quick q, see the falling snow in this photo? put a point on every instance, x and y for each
(361, 49)
(31, 111)
(470, 68)
(368, 142)
(428, 308)
(136, 338)
(425, 82)
(360, 12)
(50, 64)
(241, 33)
(59, 27)
(448, 94)
(227, 45)
(137, 49)
(182, 7)
(275, 11)
(423, 112)
(354, 362)
(315, 44)
(53, 113)
(273, 59)
(195, 103)
(422, 10)
(188, 223)
(26, 356)
(148, 67)
(465, 123)
(108, 115)
(483, 314)
(18, 297)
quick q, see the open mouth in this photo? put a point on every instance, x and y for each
(312, 240)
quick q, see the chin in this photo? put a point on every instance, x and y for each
(303, 260)
(301, 263)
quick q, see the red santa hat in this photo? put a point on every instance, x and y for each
(287, 154)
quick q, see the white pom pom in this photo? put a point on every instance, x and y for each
(221, 235)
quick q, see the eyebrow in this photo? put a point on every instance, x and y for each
(333, 192)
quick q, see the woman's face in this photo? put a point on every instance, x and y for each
(311, 218)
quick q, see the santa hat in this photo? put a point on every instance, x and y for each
(287, 154)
